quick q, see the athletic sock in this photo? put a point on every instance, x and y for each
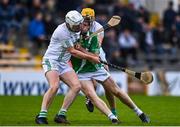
(43, 113)
(112, 116)
(113, 110)
(62, 112)
(137, 111)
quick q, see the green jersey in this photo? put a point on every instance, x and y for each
(82, 65)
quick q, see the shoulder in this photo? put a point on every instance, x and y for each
(97, 23)
(96, 26)
(61, 31)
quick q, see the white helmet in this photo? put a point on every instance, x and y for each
(73, 18)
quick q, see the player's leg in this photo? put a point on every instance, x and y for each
(89, 91)
(53, 80)
(101, 75)
(89, 104)
(110, 85)
(71, 79)
(111, 100)
(109, 96)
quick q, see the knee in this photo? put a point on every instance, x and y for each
(119, 93)
(116, 92)
(76, 87)
(54, 88)
(88, 94)
(112, 88)
(94, 98)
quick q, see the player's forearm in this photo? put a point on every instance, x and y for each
(81, 55)
(86, 52)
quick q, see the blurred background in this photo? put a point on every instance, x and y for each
(147, 39)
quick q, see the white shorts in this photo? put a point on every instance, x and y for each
(99, 75)
(102, 55)
(61, 68)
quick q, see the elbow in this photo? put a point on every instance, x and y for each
(72, 51)
(73, 54)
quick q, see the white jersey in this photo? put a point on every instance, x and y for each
(61, 39)
(102, 55)
(96, 26)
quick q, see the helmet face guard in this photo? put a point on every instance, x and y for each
(75, 28)
(89, 18)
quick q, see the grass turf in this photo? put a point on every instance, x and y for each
(21, 110)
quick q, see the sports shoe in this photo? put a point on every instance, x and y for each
(89, 105)
(41, 120)
(61, 119)
(144, 118)
(115, 121)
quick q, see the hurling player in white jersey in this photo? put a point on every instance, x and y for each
(93, 28)
(56, 67)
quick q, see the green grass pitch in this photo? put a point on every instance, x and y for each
(21, 110)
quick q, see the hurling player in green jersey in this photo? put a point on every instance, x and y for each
(83, 67)
(87, 72)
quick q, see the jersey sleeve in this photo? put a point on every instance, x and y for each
(67, 43)
(94, 48)
(102, 55)
(97, 27)
(65, 39)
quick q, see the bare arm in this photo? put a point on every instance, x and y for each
(82, 55)
(80, 48)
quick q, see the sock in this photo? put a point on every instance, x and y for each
(137, 111)
(62, 112)
(112, 116)
(113, 110)
(43, 113)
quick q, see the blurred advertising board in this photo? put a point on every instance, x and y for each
(169, 85)
(34, 83)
